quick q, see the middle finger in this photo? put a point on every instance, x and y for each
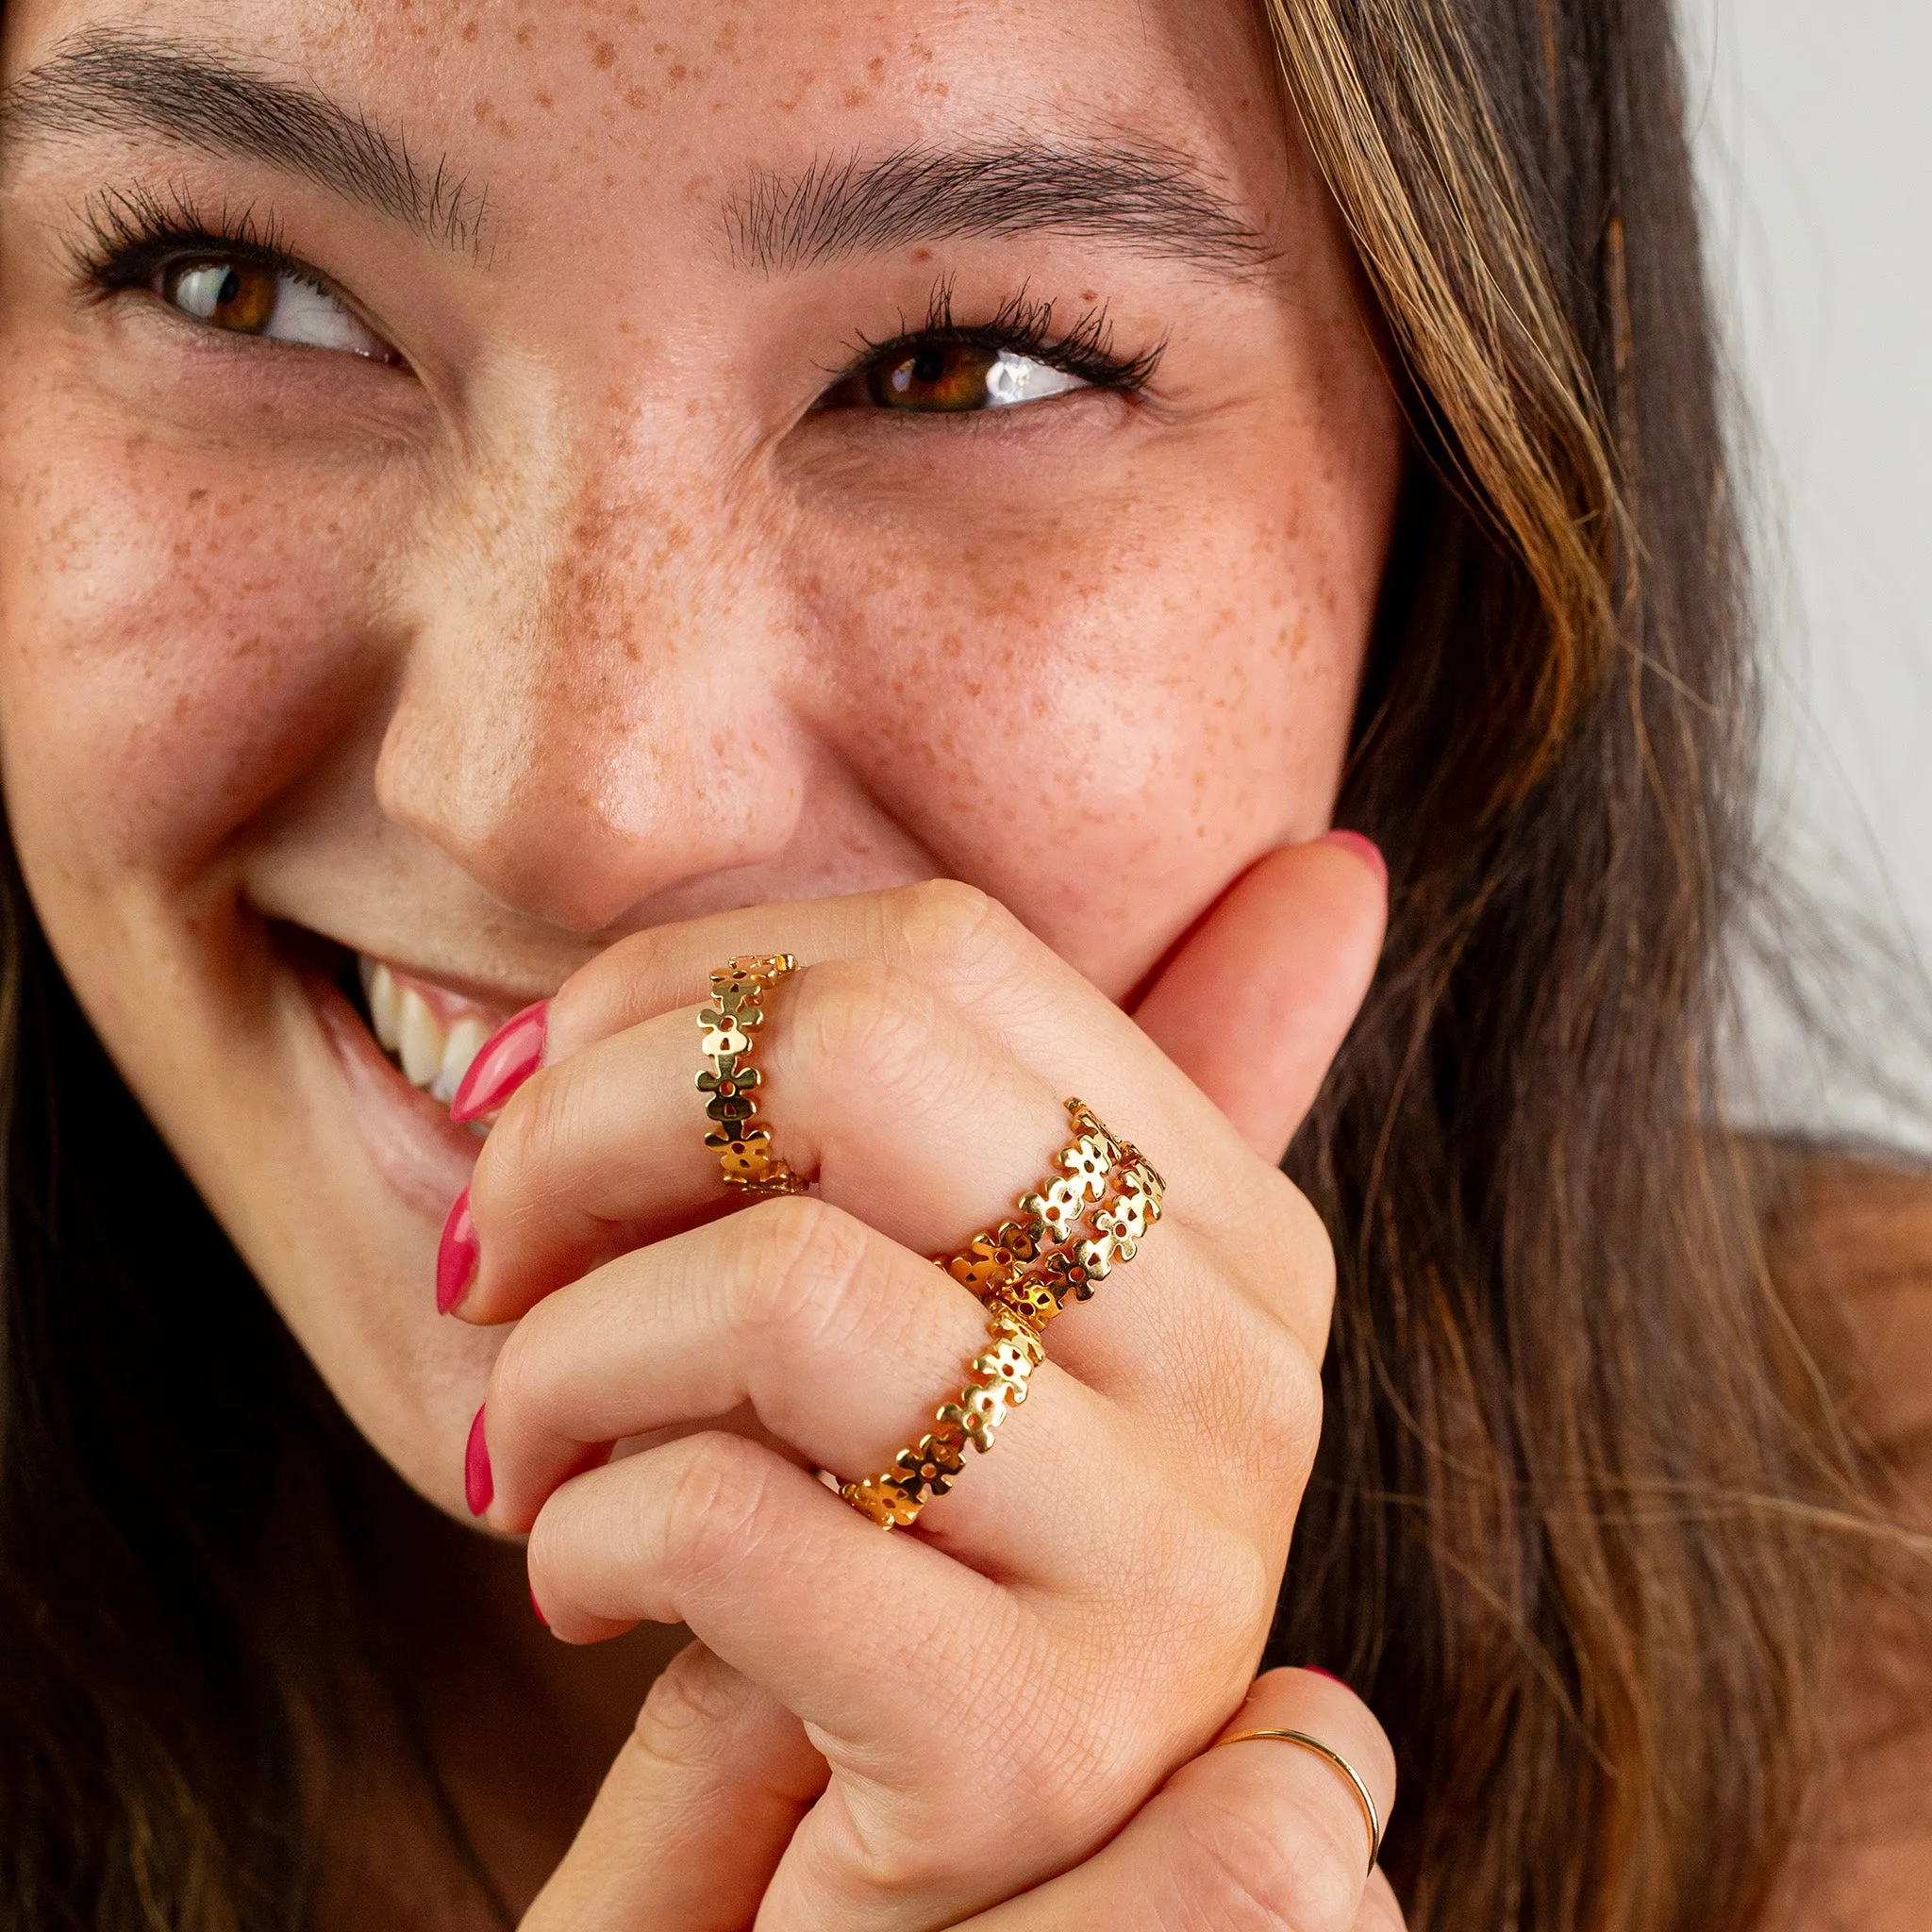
(842, 1344)
(914, 1123)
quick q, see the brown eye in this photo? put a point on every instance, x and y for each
(238, 295)
(257, 298)
(934, 377)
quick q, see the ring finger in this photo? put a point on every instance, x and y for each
(843, 1345)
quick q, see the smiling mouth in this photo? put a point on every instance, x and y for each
(430, 1034)
(402, 1042)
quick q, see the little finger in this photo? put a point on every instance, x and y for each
(1265, 1834)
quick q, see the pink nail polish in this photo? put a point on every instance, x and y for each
(1359, 843)
(503, 1064)
(478, 1485)
(537, 1607)
(457, 1255)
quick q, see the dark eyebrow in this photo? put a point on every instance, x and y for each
(119, 83)
(1147, 199)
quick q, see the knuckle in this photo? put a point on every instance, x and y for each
(526, 1143)
(799, 1257)
(966, 938)
(1217, 1590)
(717, 1509)
(1248, 1864)
(690, 1702)
(903, 1865)
(1249, 1599)
(942, 918)
(520, 1379)
(1265, 1411)
(863, 1020)
(892, 1863)
(1287, 1225)
(1290, 1425)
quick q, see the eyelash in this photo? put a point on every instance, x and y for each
(1022, 326)
(132, 234)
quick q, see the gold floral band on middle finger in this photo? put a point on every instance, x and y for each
(1060, 1246)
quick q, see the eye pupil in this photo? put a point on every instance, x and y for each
(238, 295)
(934, 376)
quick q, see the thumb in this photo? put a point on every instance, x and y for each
(1256, 1001)
(694, 1815)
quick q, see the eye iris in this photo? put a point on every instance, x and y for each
(238, 295)
(935, 376)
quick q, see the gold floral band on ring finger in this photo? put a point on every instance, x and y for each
(729, 1028)
(996, 1386)
(1023, 1271)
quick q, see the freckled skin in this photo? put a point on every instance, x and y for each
(586, 623)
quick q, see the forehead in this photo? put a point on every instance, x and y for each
(607, 95)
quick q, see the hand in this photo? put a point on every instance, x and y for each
(696, 1812)
(995, 1692)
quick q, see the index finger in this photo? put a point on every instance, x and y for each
(1008, 983)
(959, 939)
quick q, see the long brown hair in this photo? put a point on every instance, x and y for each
(1557, 1531)
(1560, 1534)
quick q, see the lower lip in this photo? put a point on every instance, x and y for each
(422, 1154)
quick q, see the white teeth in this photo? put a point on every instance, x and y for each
(420, 1041)
(434, 1056)
(465, 1041)
(380, 987)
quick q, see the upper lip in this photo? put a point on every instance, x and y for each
(473, 990)
(469, 992)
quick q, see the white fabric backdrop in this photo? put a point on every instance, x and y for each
(1815, 145)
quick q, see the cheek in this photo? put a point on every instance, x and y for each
(177, 640)
(1102, 719)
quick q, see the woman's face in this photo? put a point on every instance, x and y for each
(479, 479)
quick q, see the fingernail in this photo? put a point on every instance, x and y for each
(1359, 843)
(457, 1255)
(1316, 1670)
(503, 1064)
(537, 1607)
(478, 1486)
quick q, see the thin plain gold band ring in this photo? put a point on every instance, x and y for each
(1340, 1763)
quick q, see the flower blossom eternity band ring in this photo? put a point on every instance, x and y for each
(1092, 1212)
(729, 1028)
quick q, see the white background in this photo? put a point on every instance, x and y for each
(1814, 136)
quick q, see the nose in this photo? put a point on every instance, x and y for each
(588, 712)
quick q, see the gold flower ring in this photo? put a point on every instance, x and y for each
(1092, 1212)
(729, 1028)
